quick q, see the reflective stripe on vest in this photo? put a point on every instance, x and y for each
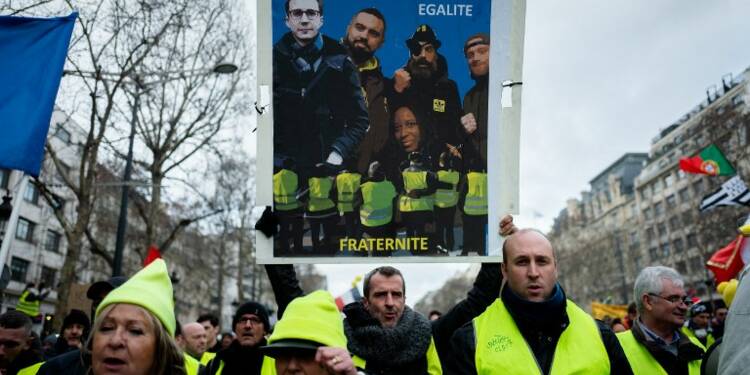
(31, 370)
(475, 203)
(415, 181)
(642, 362)
(691, 335)
(433, 361)
(346, 185)
(320, 190)
(501, 349)
(377, 203)
(285, 184)
(29, 308)
(445, 197)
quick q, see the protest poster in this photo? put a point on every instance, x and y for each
(384, 131)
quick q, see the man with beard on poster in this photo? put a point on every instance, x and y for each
(320, 115)
(424, 83)
(364, 36)
(474, 120)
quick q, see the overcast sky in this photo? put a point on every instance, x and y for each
(601, 78)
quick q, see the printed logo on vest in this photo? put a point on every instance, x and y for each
(499, 343)
(438, 105)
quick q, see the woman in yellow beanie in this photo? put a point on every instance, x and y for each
(132, 333)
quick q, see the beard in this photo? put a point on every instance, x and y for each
(421, 68)
(357, 53)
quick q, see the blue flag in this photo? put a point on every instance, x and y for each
(32, 55)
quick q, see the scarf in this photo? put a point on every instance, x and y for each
(239, 359)
(546, 316)
(405, 343)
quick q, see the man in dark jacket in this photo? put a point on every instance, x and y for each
(320, 115)
(385, 333)
(424, 83)
(364, 36)
(474, 120)
(243, 356)
(532, 323)
(15, 338)
(74, 331)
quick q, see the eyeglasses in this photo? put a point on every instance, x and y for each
(253, 320)
(675, 299)
(310, 13)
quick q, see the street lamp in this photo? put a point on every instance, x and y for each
(122, 223)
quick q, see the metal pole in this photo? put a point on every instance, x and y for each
(122, 223)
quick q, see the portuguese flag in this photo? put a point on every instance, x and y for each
(710, 161)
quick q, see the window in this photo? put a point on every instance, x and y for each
(25, 230)
(687, 217)
(48, 276)
(657, 186)
(646, 192)
(62, 134)
(18, 269)
(649, 234)
(674, 222)
(659, 209)
(681, 267)
(654, 254)
(665, 249)
(692, 240)
(647, 214)
(698, 187)
(671, 200)
(669, 180)
(684, 195)
(737, 100)
(31, 194)
(637, 261)
(4, 178)
(678, 245)
(662, 229)
(633, 238)
(696, 263)
(52, 242)
(680, 173)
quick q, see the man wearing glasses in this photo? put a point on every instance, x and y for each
(654, 344)
(320, 116)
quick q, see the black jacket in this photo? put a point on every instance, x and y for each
(377, 90)
(485, 289)
(673, 365)
(69, 363)
(316, 112)
(237, 360)
(542, 340)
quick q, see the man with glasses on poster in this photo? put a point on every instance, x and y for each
(320, 116)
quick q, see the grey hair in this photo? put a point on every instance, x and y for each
(650, 280)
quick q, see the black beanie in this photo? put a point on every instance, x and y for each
(77, 316)
(252, 308)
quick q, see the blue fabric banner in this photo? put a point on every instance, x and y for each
(32, 55)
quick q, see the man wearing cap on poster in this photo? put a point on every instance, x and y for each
(309, 339)
(243, 356)
(424, 83)
(320, 114)
(364, 36)
(474, 120)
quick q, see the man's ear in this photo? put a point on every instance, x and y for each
(366, 303)
(504, 270)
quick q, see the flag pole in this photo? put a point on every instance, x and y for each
(10, 227)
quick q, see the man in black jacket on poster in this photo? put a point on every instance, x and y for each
(384, 332)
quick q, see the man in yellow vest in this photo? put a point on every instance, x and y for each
(321, 213)
(654, 344)
(473, 203)
(417, 201)
(31, 299)
(376, 202)
(191, 338)
(288, 209)
(347, 186)
(698, 326)
(532, 328)
(446, 200)
(243, 356)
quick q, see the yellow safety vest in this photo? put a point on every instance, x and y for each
(285, 185)
(192, 366)
(268, 367)
(475, 203)
(501, 349)
(320, 189)
(415, 181)
(29, 308)
(433, 361)
(31, 370)
(377, 203)
(346, 185)
(445, 198)
(207, 357)
(643, 363)
(691, 335)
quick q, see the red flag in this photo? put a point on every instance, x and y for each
(727, 262)
(153, 254)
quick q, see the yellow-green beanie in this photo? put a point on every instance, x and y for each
(313, 317)
(151, 289)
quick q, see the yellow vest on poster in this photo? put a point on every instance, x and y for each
(347, 184)
(415, 180)
(475, 203)
(377, 203)
(445, 198)
(285, 184)
(320, 190)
